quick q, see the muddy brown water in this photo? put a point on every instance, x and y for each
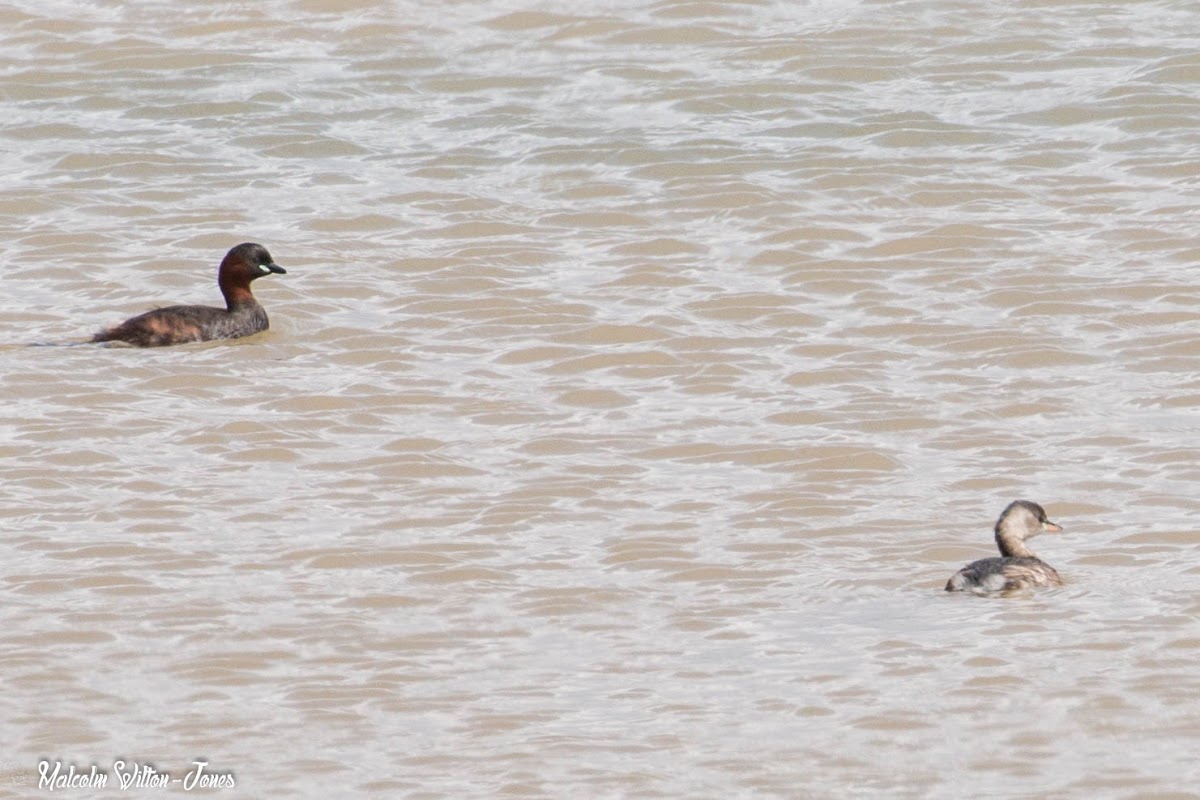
(640, 375)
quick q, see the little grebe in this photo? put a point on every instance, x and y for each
(241, 316)
(1017, 567)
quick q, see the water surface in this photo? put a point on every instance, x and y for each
(640, 375)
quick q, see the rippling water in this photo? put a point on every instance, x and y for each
(639, 377)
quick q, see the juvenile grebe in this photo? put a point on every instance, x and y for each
(241, 316)
(1017, 567)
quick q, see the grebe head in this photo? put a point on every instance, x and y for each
(1020, 521)
(242, 264)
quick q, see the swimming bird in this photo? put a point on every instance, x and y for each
(241, 316)
(1016, 567)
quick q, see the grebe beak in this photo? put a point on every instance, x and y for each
(1051, 527)
(273, 267)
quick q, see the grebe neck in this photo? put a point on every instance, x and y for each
(1012, 545)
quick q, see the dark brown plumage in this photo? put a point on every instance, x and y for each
(241, 316)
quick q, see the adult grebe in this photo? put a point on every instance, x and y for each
(1017, 567)
(241, 316)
